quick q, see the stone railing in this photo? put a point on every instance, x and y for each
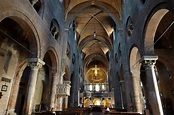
(63, 90)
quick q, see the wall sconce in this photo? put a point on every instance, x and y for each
(95, 35)
(4, 87)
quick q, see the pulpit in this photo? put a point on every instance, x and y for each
(63, 90)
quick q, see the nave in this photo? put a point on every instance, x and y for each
(74, 56)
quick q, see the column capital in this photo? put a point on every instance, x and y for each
(149, 60)
(35, 62)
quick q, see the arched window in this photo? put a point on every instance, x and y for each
(129, 26)
(55, 29)
(38, 6)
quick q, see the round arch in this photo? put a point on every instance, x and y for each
(134, 58)
(26, 24)
(98, 57)
(154, 22)
(54, 57)
(151, 29)
(88, 76)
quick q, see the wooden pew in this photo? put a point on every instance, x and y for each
(67, 113)
(122, 113)
(81, 111)
(43, 113)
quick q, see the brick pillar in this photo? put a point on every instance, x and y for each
(137, 92)
(154, 100)
(35, 64)
(54, 87)
(66, 102)
(128, 90)
(14, 94)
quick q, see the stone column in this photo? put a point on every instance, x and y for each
(122, 93)
(66, 102)
(35, 64)
(78, 96)
(59, 104)
(54, 87)
(154, 100)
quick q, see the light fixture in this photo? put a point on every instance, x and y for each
(97, 87)
(95, 35)
(92, 3)
(103, 87)
(90, 87)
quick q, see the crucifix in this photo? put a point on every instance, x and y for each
(95, 71)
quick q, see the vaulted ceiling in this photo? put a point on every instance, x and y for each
(94, 22)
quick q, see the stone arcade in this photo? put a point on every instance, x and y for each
(83, 57)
